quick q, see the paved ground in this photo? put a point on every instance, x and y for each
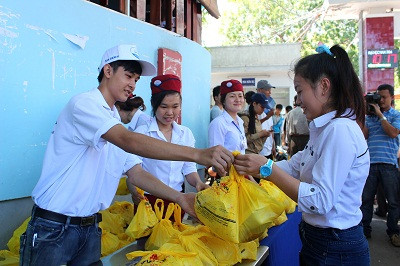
(381, 250)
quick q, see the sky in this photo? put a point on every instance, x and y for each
(210, 31)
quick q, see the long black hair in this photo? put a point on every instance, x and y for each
(252, 119)
(346, 90)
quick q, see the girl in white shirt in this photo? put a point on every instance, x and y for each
(227, 129)
(166, 101)
(131, 112)
(327, 178)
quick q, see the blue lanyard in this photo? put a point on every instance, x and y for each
(233, 122)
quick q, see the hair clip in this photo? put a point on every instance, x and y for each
(322, 48)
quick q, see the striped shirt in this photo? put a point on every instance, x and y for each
(382, 148)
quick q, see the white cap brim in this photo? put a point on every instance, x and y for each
(148, 69)
(127, 52)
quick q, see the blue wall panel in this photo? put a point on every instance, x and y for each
(40, 70)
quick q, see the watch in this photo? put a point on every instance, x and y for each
(382, 118)
(266, 169)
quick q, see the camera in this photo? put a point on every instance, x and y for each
(371, 98)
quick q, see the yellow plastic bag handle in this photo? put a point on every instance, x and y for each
(159, 210)
(170, 211)
(177, 214)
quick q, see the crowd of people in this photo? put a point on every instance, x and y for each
(338, 155)
(265, 127)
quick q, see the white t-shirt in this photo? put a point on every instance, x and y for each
(171, 173)
(81, 171)
(267, 125)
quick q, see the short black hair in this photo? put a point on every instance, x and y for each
(279, 106)
(216, 91)
(386, 87)
(131, 66)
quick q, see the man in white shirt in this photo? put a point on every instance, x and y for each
(88, 151)
(217, 109)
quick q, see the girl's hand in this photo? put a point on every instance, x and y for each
(249, 164)
(201, 186)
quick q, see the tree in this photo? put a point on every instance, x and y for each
(286, 21)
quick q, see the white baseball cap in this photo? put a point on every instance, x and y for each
(127, 52)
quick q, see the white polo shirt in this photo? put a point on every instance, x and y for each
(81, 171)
(171, 173)
(225, 132)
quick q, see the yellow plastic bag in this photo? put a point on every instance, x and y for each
(273, 190)
(8, 258)
(189, 261)
(248, 250)
(237, 209)
(109, 243)
(122, 187)
(164, 229)
(123, 208)
(124, 240)
(143, 221)
(190, 241)
(165, 257)
(111, 222)
(280, 219)
(178, 225)
(226, 253)
(13, 243)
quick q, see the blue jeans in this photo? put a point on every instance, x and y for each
(277, 139)
(50, 243)
(387, 175)
(330, 246)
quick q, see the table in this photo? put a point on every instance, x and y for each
(284, 242)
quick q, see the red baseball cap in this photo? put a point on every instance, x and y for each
(167, 82)
(230, 86)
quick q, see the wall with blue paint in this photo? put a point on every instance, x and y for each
(40, 70)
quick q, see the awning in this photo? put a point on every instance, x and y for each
(211, 6)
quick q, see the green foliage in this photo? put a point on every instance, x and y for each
(287, 21)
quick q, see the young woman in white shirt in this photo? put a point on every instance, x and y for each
(166, 102)
(326, 179)
(227, 129)
(131, 112)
